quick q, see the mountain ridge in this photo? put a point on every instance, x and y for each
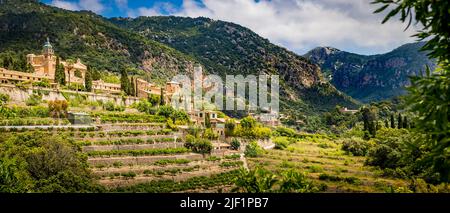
(228, 48)
(172, 47)
(371, 77)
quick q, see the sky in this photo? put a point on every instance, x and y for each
(298, 25)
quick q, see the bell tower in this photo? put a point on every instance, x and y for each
(49, 63)
(47, 51)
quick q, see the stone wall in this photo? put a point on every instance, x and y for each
(21, 95)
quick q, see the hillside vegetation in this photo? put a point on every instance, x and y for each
(25, 25)
(226, 48)
(373, 77)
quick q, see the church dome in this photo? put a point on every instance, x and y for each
(48, 48)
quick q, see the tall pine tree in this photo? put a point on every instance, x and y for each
(60, 76)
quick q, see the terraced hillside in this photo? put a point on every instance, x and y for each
(327, 165)
(125, 151)
(126, 154)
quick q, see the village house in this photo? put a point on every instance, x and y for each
(345, 110)
(101, 86)
(44, 67)
(217, 124)
(144, 89)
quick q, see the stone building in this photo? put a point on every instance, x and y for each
(75, 72)
(144, 89)
(101, 86)
(45, 65)
(171, 88)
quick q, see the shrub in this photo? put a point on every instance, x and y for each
(253, 150)
(284, 131)
(33, 100)
(294, 181)
(165, 111)
(210, 134)
(4, 98)
(351, 180)
(315, 168)
(235, 144)
(58, 108)
(389, 148)
(118, 164)
(198, 145)
(213, 158)
(129, 175)
(172, 161)
(143, 106)
(110, 106)
(281, 142)
(233, 156)
(227, 164)
(356, 146)
(139, 152)
(43, 83)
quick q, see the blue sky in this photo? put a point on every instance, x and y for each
(298, 25)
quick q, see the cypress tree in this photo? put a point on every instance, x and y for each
(392, 121)
(207, 121)
(124, 82)
(405, 122)
(162, 98)
(369, 120)
(60, 76)
(400, 123)
(95, 74)
(88, 80)
(386, 123)
(132, 85)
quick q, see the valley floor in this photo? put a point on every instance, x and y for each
(325, 163)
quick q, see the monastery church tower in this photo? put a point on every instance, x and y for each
(44, 64)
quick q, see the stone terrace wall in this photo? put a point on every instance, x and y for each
(21, 95)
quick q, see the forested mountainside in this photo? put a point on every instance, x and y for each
(374, 77)
(25, 25)
(160, 47)
(228, 48)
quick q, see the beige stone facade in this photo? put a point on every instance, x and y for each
(45, 65)
(75, 72)
(11, 77)
(101, 86)
(144, 89)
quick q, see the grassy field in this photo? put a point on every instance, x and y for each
(325, 163)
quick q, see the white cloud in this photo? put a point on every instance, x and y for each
(122, 4)
(93, 5)
(159, 8)
(302, 24)
(65, 5)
